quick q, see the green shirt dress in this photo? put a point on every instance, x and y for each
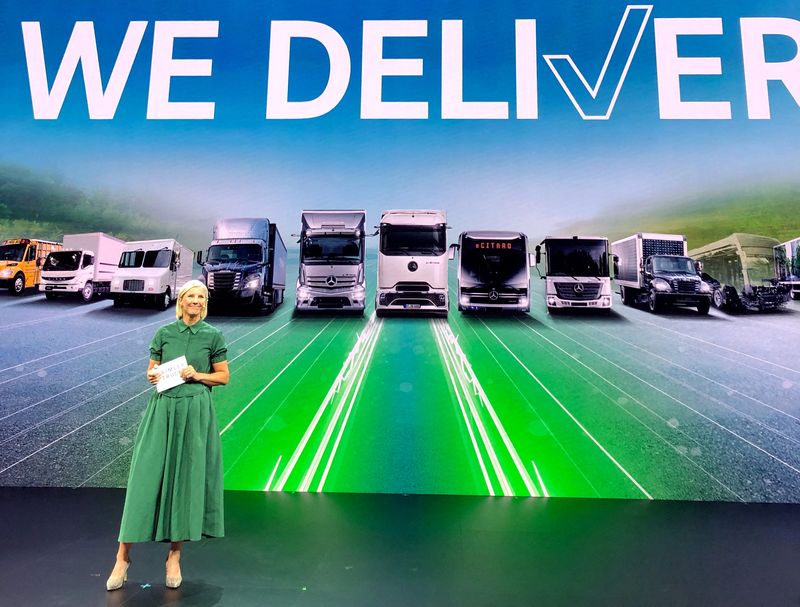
(176, 479)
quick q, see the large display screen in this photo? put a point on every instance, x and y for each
(611, 135)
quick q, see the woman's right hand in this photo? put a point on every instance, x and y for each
(153, 375)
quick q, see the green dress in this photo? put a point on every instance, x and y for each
(176, 479)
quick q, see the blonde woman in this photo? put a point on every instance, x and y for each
(175, 483)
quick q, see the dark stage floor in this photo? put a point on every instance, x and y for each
(58, 545)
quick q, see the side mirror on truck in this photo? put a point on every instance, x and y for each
(698, 265)
(451, 251)
(615, 259)
(538, 255)
(199, 258)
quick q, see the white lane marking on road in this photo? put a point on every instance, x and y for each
(266, 387)
(539, 478)
(85, 309)
(349, 368)
(272, 476)
(88, 381)
(230, 466)
(571, 416)
(523, 395)
(680, 402)
(468, 425)
(693, 372)
(73, 431)
(343, 425)
(468, 378)
(725, 348)
(89, 343)
(647, 426)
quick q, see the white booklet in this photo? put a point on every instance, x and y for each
(171, 374)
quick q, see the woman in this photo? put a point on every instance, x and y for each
(175, 482)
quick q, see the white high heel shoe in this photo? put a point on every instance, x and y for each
(115, 582)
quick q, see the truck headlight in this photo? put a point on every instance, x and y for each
(6, 273)
(303, 292)
(116, 283)
(705, 287)
(463, 300)
(661, 285)
(252, 282)
(523, 301)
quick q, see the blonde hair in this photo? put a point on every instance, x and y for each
(192, 284)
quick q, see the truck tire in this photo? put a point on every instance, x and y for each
(719, 299)
(654, 303)
(379, 313)
(703, 307)
(17, 285)
(795, 295)
(164, 300)
(87, 292)
(626, 296)
(117, 302)
(49, 295)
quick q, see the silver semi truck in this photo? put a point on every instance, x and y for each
(493, 271)
(151, 272)
(655, 270)
(245, 265)
(412, 262)
(331, 274)
(577, 272)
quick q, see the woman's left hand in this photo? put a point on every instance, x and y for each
(188, 373)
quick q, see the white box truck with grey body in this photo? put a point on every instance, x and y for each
(151, 272)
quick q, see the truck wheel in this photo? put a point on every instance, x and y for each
(50, 295)
(165, 299)
(703, 307)
(117, 302)
(795, 295)
(654, 303)
(87, 292)
(625, 295)
(379, 313)
(18, 285)
(719, 300)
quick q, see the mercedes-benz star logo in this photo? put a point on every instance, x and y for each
(412, 266)
(330, 281)
(493, 295)
(578, 287)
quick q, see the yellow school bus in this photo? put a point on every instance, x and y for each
(21, 261)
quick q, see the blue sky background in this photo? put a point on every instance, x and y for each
(535, 175)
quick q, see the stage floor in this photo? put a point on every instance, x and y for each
(57, 547)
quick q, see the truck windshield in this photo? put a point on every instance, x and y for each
(413, 240)
(12, 252)
(131, 259)
(493, 262)
(575, 257)
(233, 253)
(674, 265)
(337, 248)
(63, 261)
(157, 259)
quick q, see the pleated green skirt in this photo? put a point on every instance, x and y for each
(175, 485)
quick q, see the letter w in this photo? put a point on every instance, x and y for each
(81, 48)
(597, 102)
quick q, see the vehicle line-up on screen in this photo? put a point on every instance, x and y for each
(151, 272)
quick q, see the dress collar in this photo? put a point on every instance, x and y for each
(182, 326)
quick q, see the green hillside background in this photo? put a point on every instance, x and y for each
(33, 205)
(767, 211)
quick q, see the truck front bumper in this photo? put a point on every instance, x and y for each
(313, 300)
(60, 287)
(601, 303)
(424, 302)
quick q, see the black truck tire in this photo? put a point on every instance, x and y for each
(703, 307)
(654, 303)
(164, 300)
(87, 292)
(719, 299)
(625, 294)
(17, 285)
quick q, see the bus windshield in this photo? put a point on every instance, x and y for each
(493, 262)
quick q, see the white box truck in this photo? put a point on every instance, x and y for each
(331, 274)
(655, 270)
(84, 267)
(577, 272)
(412, 262)
(245, 265)
(493, 271)
(151, 272)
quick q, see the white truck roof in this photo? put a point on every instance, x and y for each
(416, 217)
(333, 220)
(151, 245)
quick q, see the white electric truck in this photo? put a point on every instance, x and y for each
(331, 274)
(412, 262)
(151, 272)
(83, 267)
(576, 272)
(493, 271)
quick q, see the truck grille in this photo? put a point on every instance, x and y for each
(224, 281)
(59, 278)
(332, 281)
(685, 286)
(578, 291)
(133, 285)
